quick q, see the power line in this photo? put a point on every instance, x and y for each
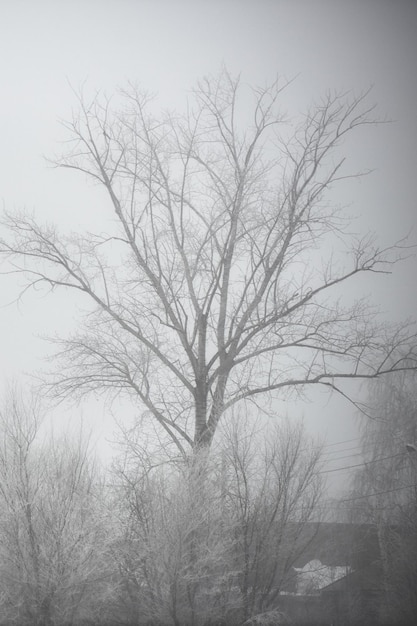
(360, 449)
(338, 450)
(337, 443)
(339, 469)
(346, 456)
(379, 493)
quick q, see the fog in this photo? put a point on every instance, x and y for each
(49, 50)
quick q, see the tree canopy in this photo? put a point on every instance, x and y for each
(216, 280)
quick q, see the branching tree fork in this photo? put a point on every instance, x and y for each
(207, 288)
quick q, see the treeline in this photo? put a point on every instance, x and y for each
(209, 539)
(158, 539)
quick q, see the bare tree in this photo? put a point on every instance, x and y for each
(272, 492)
(205, 286)
(174, 546)
(215, 538)
(50, 535)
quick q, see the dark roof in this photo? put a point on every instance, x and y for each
(366, 579)
(354, 545)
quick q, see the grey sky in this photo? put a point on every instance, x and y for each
(166, 46)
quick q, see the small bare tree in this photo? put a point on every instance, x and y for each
(174, 546)
(215, 538)
(272, 492)
(49, 532)
(218, 278)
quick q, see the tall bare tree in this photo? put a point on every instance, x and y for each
(217, 280)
